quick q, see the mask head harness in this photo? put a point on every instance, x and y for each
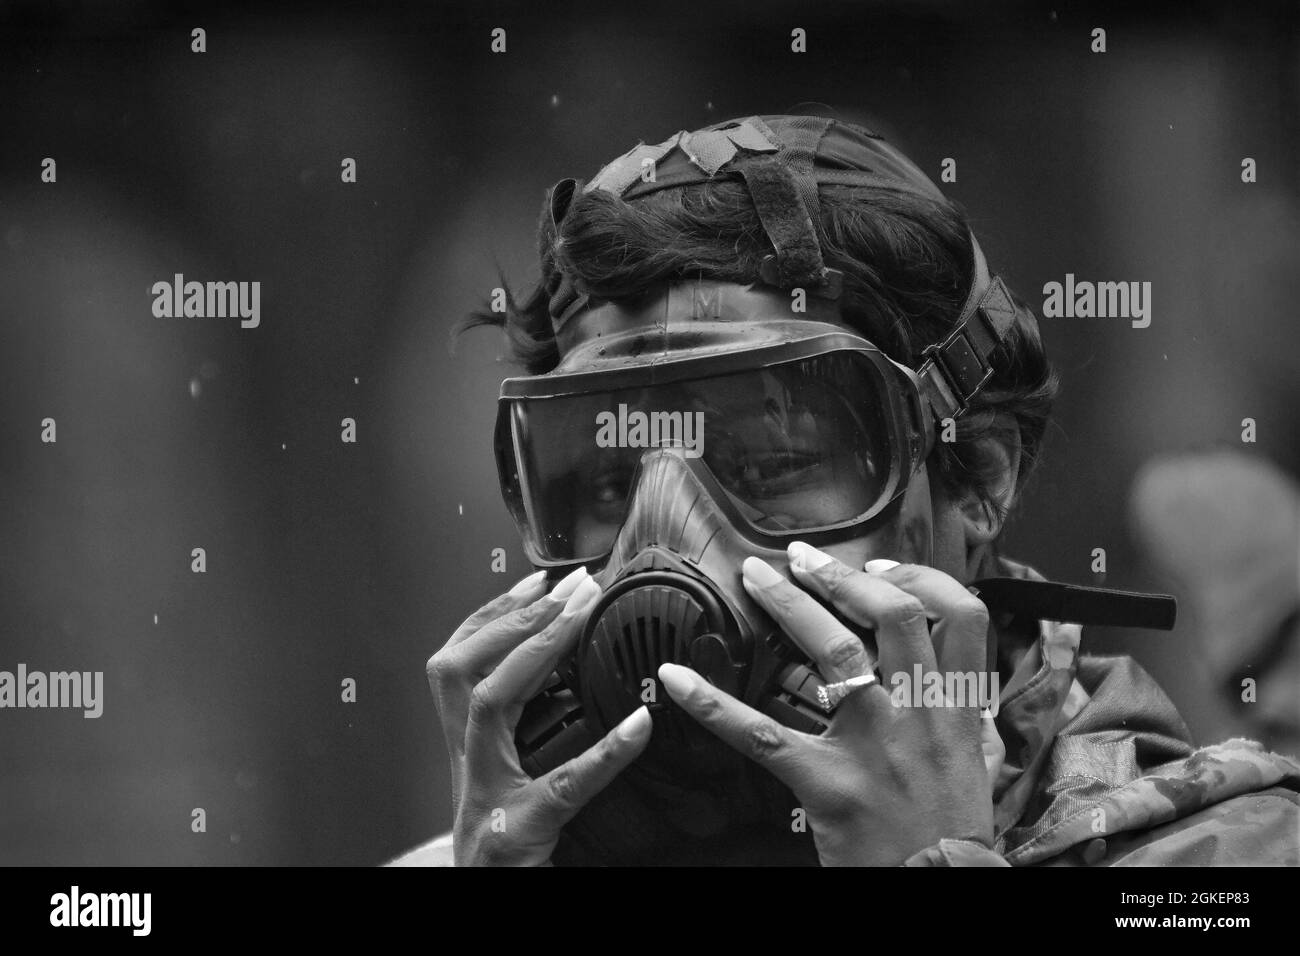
(782, 173)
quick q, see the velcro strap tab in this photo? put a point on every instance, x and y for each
(786, 221)
(999, 311)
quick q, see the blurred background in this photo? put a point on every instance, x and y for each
(328, 560)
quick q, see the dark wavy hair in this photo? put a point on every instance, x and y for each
(906, 261)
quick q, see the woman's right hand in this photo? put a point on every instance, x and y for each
(497, 661)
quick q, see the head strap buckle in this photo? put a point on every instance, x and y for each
(955, 370)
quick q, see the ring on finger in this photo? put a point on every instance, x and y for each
(830, 695)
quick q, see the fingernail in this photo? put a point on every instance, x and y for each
(635, 724)
(584, 592)
(677, 679)
(566, 587)
(759, 573)
(527, 584)
(805, 557)
(879, 565)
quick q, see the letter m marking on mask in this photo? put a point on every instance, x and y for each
(706, 303)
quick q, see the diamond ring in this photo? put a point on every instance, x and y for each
(830, 695)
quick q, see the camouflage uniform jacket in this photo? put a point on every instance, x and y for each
(1100, 771)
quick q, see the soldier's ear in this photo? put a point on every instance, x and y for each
(983, 515)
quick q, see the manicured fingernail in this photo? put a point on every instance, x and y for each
(584, 592)
(635, 724)
(676, 679)
(879, 565)
(566, 587)
(805, 557)
(528, 584)
(759, 573)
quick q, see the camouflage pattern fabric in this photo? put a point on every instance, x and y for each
(1101, 771)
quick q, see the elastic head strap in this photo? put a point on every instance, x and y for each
(786, 220)
(954, 370)
(783, 187)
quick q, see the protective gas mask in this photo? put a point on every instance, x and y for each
(702, 427)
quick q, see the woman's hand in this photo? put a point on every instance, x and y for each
(883, 781)
(496, 662)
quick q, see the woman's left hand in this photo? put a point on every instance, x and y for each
(884, 781)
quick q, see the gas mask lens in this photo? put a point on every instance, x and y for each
(794, 447)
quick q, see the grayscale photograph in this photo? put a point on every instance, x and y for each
(744, 435)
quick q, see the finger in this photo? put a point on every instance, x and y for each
(524, 592)
(474, 657)
(961, 631)
(571, 786)
(898, 618)
(497, 701)
(525, 669)
(838, 653)
(454, 670)
(772, 746)
(465, 657)
(451, 685)
(453, 673)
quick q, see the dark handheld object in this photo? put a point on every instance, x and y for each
(1072, 604)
